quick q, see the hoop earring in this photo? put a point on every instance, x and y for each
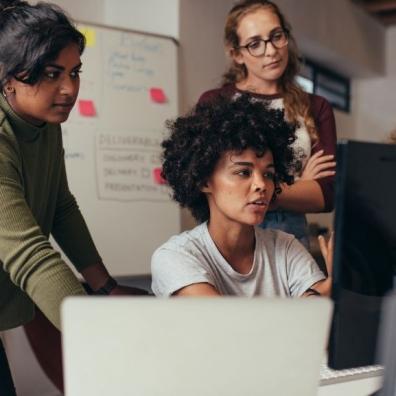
(9, 90)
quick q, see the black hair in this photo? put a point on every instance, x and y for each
(31, 36)
(198, 140)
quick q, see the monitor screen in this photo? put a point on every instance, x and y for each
(365, 249)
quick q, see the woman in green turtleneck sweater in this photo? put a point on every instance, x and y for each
(39, 81)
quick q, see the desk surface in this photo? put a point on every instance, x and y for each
(359, 387)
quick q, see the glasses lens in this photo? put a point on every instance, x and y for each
(279, 39)
(256, 47)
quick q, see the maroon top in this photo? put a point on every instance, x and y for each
(323, 115)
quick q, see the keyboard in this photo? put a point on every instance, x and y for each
(329, 376)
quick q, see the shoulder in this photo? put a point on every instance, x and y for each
(2, 117)
(188, 243)
(319, 106)
(8, 142)
(211, 95)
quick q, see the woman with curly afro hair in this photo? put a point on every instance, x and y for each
(225, 161)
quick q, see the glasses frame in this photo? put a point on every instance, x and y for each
(266, 41)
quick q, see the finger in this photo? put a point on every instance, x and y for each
(322, 246)
(316, 155)
(323, 167)
(326, 165)
(323, 174)
(325, 250)
(324, 159)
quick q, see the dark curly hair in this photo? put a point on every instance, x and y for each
(198, 140)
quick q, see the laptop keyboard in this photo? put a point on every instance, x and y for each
(330, 376)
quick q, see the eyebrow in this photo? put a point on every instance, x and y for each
(55, 66)
(259, 37)
(243, 163)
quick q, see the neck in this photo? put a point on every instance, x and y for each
(14, 107)
(236, 242)
(259, 86)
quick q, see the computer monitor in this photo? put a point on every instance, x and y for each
(365, 249)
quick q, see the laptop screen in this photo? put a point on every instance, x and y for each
(365, 249)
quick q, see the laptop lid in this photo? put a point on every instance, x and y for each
(193, 346)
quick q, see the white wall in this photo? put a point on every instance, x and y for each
(202, 55)
(375, 108)
(84, 10)
(153, 16)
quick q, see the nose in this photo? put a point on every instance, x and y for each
(259, 183)
(270, 49)
(69, 86)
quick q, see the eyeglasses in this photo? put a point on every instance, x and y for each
(257, 47)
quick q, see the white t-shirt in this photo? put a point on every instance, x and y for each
(281, 265)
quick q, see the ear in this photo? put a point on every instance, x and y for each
(237, 56)
(8, 87)
(206, 188)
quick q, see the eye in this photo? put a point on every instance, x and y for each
(269, 175)
(277, 36)
(75, 73)
(244, 172)
(51, 75)
(254, 44)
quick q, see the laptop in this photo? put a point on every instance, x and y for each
(193, 346)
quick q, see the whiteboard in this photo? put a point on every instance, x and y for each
(112, 144)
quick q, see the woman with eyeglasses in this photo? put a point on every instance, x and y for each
(264, 63)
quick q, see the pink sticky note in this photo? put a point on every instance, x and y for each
(158, 177)
(157, 95)
(87, 108)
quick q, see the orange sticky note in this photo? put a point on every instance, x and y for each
(157, 95)
(158, 177)
(87, 108)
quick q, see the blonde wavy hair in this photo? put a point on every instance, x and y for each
(296, 101)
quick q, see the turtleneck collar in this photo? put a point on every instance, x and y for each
(21, 127)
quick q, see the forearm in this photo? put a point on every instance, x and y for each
(198, 289)
(72, 235)
(96, 275)
(323, 287)
(304, 196)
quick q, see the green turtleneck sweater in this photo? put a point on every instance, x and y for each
(35, 202)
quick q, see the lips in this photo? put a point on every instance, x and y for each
(63, 107)
(259, 202)
(273, 64)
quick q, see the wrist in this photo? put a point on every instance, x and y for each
(107, 288)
